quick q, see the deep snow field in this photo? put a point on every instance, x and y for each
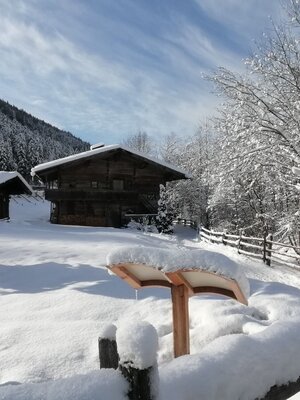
(56, 295)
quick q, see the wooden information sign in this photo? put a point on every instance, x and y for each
(183, 283)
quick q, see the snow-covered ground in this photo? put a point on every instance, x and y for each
(56, 296)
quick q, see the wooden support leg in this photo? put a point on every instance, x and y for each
(181, 334)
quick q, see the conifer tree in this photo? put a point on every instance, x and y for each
(165, 215)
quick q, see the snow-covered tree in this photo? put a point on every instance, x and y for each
(19, 139)
(6, 157)
(26, 141)
(141, 142)
(195, 155)
(165, 215)
(259, 128)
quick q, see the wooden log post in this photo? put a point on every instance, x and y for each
(282, 392)
(139, 381)
(199, 232)
(181, 334)
(240, 247)
(224, 237)
(265, 245)
(209, 235)
(108, 353)
(268, 254)
(138, 346)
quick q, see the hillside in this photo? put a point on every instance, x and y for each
(26, 141)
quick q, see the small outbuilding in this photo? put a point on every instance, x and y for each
(104, 186)
(11, 183)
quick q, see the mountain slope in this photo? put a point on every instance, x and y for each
(26, 141)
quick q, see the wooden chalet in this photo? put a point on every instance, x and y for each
(11, 183)
(104, 186)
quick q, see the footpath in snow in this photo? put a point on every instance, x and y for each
(56, 295)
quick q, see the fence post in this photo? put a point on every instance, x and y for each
(139, 381)
(265, 247)
(224, 238)
(240, 247)
(268, 255)
(108, 353)
(138, 347)
(209, 235)
(282, 391)
(199, 232)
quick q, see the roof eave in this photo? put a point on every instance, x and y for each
(46, 168)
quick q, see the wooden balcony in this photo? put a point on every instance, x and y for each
(101, 195)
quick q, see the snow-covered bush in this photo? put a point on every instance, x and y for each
(144, 224)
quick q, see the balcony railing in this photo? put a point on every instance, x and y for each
(101, 195)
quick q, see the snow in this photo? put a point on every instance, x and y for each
(6, 176)
(137, 344)
(178, 259)
(56, 298)
(96, 145)
(236, 367)
(295, 397)
(108, 332)
(106, 384)
(99, 150)
(296, 171)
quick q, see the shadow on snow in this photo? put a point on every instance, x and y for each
(46, 277)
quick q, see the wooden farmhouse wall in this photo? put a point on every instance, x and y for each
(100, 190)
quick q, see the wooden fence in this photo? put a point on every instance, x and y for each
(186, 222)
(262, 248)
(141, 384)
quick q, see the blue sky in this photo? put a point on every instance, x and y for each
(105, 69)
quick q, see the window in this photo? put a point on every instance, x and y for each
(118, 184)
(94, 185)
(102, 185)
(53, 184)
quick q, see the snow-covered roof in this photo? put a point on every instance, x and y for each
(104, 149)
(6, 176)
(180, 259)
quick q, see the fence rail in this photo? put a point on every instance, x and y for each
(186, 222)
(263, 248)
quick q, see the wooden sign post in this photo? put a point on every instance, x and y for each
(183, 283)
(181, 325)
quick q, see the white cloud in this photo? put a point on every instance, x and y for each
(246, 18)
(55, 54)
(206, 53)
(103, 89)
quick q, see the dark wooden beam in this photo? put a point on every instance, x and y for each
(215, 290)
(156, 283)
(127, 276)
(177, 279)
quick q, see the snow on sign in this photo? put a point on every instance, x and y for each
(186, 273)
